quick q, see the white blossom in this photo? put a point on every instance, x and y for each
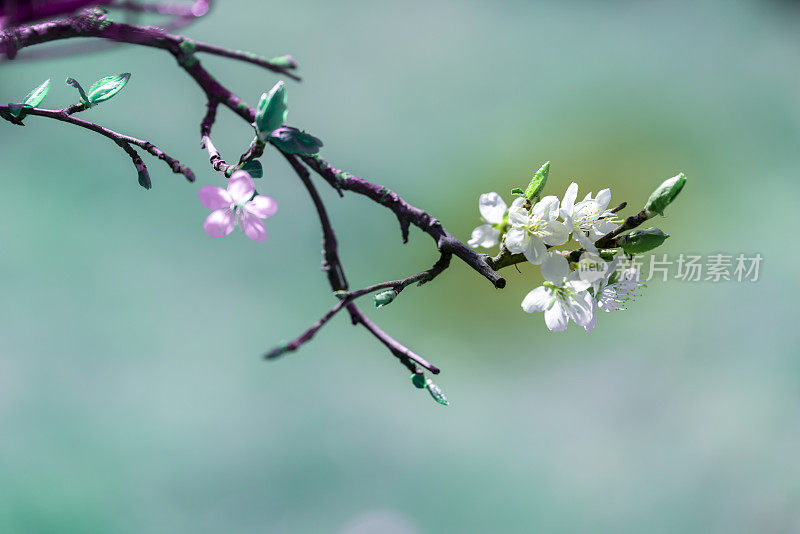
(589, 216)
(532, 230)
(493, 210)
(563, 296)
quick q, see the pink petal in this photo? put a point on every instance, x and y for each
(253, 227)
(241, 187)
(214, 198)
(220, 223)
(262, 207)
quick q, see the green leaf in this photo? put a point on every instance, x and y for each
(517, 191)
(537, 182)
(272, 110)
(107, 87)
(436, 392)
(253, 168)
(293, 141)
(36, 96)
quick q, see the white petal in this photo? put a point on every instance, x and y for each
(492, 208)
(517, 240)
(537, 300)
(555, 268)
(546, 209)
(484, 236)
(535, 251)
(568, 203)
(593, 322)
(585, 242)
(556, 233)
(517, 214)
(603, 198)
(556, 317)
(602, 227)
(577, 283)
(580, 308)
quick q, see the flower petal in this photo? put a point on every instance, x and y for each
(602, 227)
(585, 242)
(517, 214)
(492, 208)
(253, 227)
(546, 209)
(603, 198)
(593, 322)
(262, 206)
(580, 308)
(568, 203)
(241, 187)
(220, 223)
(555, 268)
(214, 198)
(484, 236)
(535, 251)
(517, 240)
(555, 233)
(537, 300)
(556, 317)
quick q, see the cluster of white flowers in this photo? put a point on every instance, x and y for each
(594, 284)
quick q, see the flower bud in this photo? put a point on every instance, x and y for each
(664, 195)
(640, 241)
(385, 297)
(537, 182)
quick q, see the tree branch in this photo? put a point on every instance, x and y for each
(124, 141)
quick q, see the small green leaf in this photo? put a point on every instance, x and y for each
(436, 392)
(272, 110)
(517, 191)
(253, 168)
(107, 87)
(537, 182)
(418, 380)
(74, 83)
(36, 96)
(293, 141)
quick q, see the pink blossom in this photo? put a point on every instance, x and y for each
(237, 206)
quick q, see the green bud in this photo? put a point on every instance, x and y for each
(105, 88)
(272, 110)
(538, 181)
(418, 380)
(385, 297)
(664, 195)
(436, 392)
(640, 241)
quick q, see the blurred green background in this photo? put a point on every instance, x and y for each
(132, 396)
